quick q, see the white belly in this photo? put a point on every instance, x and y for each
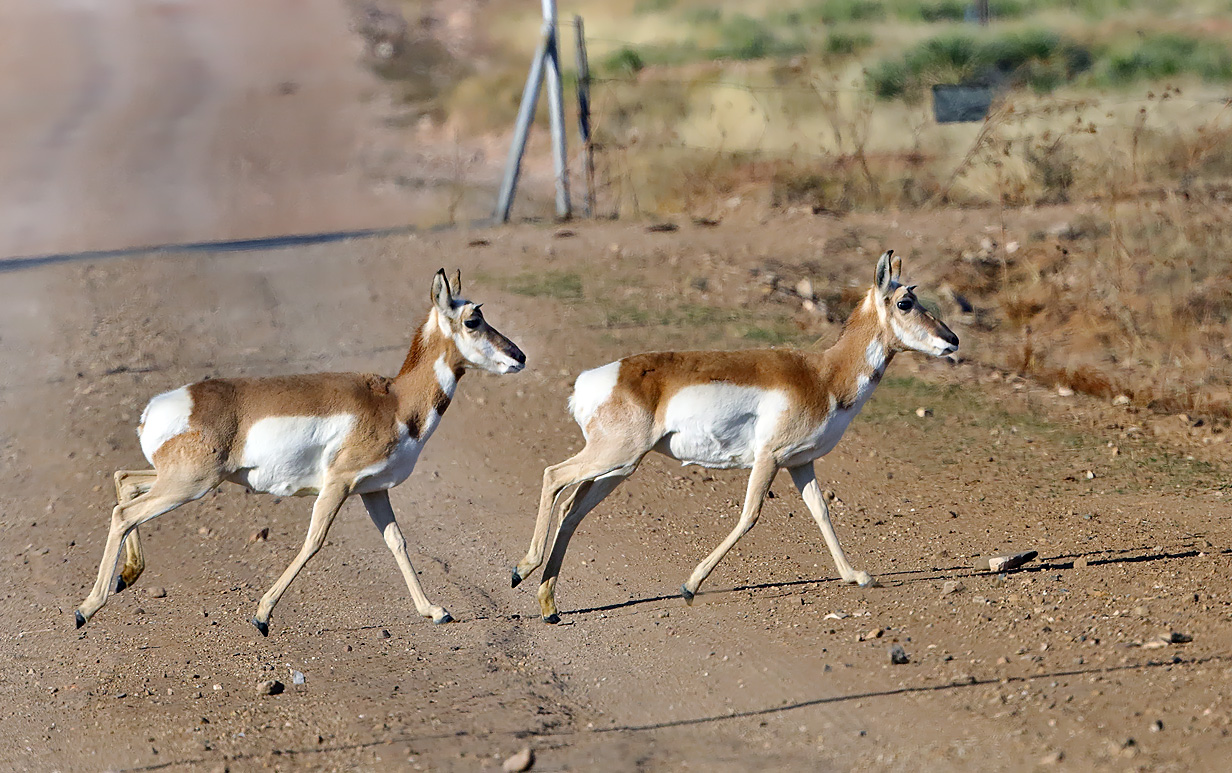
(720, 425)
(289, 455)
(395, 468)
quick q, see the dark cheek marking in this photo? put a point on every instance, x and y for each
(412, 427)
(458, 370)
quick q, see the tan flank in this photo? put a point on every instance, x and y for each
(325, 434)
(762, 410)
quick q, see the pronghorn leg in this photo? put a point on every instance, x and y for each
(170, 490)
(130, 484)
(382, 514)
(594, 461)
(806, 480)
(326, 506)
(588, 494)
(759, 484)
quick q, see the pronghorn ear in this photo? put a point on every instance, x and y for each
(884, 276)
(455, 284)
(441, 297)
(896, 268)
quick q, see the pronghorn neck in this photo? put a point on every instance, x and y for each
(862, 353)
(433, 341)
(430, 372)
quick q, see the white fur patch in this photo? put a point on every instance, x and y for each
(445, 376)
(875, 355)
(825, 437)
(721, 425)
(396, 467)
(164, 417)
(591, 389)
(289, 455)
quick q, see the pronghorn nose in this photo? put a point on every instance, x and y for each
(950, 338)
(517, 355)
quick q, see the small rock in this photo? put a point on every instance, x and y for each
(385, 634)
(1120, 400)
(898, 655)
(663, 613)
(1003, 563)
(1157, 726)
(1176, 637)
(876, 633)
(1064, 391)
(270, 687)
(297, 677)
(156, 592)
(923, 412)
(836, 616)
(1051, 758)
(951, 586)
(519, 762)
(1090, 475)
(804, 289)
(1081, 562)
(260, 535)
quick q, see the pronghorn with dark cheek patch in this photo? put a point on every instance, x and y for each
(326, 434)
(763, 410)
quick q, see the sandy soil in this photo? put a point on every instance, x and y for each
(137, 122)
(1054, 666)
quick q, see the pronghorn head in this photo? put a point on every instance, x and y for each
(481, 345)
(905, 323)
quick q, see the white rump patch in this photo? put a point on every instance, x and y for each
(445, 377)
(721, 425)
(288, 455)
(164, 417)
(592, 388)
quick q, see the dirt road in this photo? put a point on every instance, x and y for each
(1055, 666)
(139, 122)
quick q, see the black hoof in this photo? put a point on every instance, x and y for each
(262, 627)
(688, 594)
(517, 578)
(551, 619)
(446, 618)
(81, 619)
(120, 584)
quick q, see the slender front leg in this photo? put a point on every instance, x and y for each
(806, 481)
(760, 478)
(326, 506)
(382, 514)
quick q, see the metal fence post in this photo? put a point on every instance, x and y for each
(526, 114)
(583, 96)
(556, 111)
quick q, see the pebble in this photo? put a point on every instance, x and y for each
(923, 412)
(297, 677)
(260, 535)
(951, 586)
(898, 655)
(522, 760)
(270, 687)
(385, 634)
(1051, 758)
(870, 635)
(156, 592)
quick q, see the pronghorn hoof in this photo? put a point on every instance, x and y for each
(262, 627)
(688, 594)
(81, 619)
(120, 584)
(551, 619)
(444, 618)
(517, 578)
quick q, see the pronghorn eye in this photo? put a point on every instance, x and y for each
(473, 321)
(905, 304)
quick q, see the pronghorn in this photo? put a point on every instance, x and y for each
(328, 434)
(761, 409)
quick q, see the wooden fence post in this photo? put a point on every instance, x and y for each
(583, 95)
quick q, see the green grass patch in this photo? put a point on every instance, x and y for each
(847, 42)
(1161, 56)
(561, 285)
